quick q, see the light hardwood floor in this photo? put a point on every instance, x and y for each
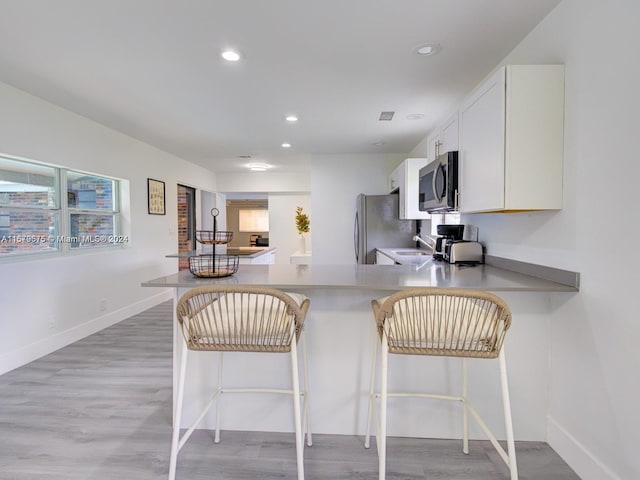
(100, 409)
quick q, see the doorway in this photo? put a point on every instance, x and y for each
(248, 219)
(186, 223)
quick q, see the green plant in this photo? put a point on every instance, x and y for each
(302, 221)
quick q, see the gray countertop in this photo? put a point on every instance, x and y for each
(374, 277)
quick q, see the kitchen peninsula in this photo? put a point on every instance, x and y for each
(340, 330)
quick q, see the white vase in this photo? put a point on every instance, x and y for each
(303, 244)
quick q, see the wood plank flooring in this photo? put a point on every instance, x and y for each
(100, 409)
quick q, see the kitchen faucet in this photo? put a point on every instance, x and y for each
(432, 246)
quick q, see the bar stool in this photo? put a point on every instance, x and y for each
(441, 322)
(235, 318)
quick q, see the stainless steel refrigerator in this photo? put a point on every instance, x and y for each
(377, 226)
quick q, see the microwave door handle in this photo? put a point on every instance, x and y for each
(443, 193)
(433, 183)
(356, 237)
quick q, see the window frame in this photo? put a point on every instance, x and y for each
(62, 213)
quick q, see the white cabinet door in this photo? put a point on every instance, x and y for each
(396, 178)
(407, 176)
(449, 135)
(481, 158)
(511, 141)
(433, 146)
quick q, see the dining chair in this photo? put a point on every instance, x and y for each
(448, 322)
(237, 318)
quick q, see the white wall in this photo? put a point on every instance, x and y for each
(282, 225)
(336, 181)
(264, 182)
(594, 421)
(68, 289)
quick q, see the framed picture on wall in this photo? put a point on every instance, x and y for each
(155, 192)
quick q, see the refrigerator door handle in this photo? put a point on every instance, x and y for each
(356, 238)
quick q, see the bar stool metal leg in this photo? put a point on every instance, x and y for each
(305, 376)
(382, 437)
(296, 411)
(216, 438)
(465, 413)
(177, 416)
(506, 403)
(372, 397)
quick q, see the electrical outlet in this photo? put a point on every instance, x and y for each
(102, 305)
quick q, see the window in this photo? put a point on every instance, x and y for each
(92, 204)
(253, 220)
(29, 207)
(35, 217)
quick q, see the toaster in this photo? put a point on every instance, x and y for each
(462, 251)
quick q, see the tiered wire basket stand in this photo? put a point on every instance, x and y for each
(211, 265)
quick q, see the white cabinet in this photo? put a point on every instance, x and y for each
(449, 135)
(395, 178)
(405, 179)
(300, 258)
(511, 141)
(433, 145)
(444, 138)
(268, 258)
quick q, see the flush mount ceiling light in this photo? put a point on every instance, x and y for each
(286, 145)
(415, 116)
(258, 167)
(230, 55)
(291, 118)
(427, 49)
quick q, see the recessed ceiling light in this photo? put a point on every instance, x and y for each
(427, 49)
(291, 118)
(378, 144)
(415, 116)
(258, 167)
(230, 55)
(286, 145)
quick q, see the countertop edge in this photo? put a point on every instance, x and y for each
(564, 277)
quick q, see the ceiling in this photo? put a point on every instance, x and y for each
(152, 69)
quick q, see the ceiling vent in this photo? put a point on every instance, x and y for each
(386, 116)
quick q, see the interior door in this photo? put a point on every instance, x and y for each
(186, 223)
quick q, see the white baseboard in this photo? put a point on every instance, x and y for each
(21, 356)
(583, 461)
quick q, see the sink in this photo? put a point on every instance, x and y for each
(410, 252)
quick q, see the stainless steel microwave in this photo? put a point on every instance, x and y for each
(438, 190)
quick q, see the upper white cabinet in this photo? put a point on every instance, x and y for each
(511, 141)
(433, 145)
(405, 179)
(449, 135)
(444, 139)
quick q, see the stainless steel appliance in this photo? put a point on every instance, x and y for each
(447, 234)
(377, 226)
(463, 251)
(438, 184)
